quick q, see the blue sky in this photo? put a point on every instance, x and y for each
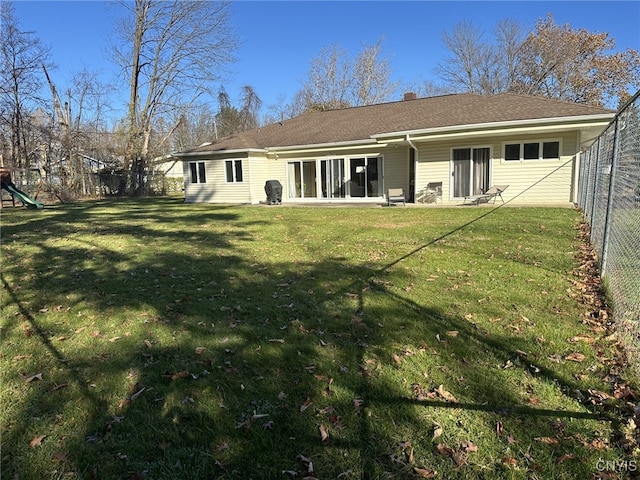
(280, 38)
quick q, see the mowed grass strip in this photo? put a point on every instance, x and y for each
(153, 339)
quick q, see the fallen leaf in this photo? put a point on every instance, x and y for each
(200, 350)
(446, 395)
(138, 393)
(452, 333)
(443, 449)
(31, 378)
(61, 457)
(397, 359)
(437, 432)
(425, 472)
(469, 446)
(114, 339)
(358, 402)
(581, 338)
(182, 374)
(548, 440)
(307, 403)
(22, 357)
(37, 441)
(324, 435)
(575, 357)
(565, 457)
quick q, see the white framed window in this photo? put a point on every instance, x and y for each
(531, 150)
(233, 171)
(198, 172)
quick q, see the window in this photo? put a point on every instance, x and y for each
(198, 174)
(512, 151)
(233, 170)
(549, 150)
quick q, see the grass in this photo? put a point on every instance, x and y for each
(153, 339)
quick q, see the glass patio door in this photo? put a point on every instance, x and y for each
(366, 177)
(302, 179)
(470, 171)
(332, 178)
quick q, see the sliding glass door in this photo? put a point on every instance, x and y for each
(359, 177)
(470, 170)
(332, 178)
(302, 179)
(366, 177)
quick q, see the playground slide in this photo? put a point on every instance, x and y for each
(26, 200)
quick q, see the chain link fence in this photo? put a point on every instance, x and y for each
(609, 196)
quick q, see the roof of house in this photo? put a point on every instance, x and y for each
(362, 123)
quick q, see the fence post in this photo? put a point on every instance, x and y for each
(595, 186)
(612, 181)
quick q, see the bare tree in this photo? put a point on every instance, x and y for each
(21, 58)
(334, 81)
(372, 77)
(171, 51)
(477, 64)
(329, 80)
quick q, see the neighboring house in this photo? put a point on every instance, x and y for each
(455, 145)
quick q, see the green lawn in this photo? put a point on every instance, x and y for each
(153, 339)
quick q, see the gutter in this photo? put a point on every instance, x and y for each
(492, 127)
(415, 166)
(334, 145)
(217, 152)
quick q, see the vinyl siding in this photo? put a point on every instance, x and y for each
(396, 169)
(261, 170)
(530, 181)
(216, 189)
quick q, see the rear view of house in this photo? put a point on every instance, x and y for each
(437, 149)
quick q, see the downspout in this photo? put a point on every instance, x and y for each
(576, 172)
(415, 167)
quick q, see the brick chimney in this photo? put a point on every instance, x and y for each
(409, 96)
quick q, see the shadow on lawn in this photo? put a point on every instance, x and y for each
(270, 376)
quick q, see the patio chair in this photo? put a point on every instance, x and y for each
(491, 193)
(395, 195)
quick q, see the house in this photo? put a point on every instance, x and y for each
(437, 149)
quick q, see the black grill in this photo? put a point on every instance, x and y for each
(273, 189)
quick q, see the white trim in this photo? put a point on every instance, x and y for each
(451, 165)
(233, 171)
(323, 146)
(208, 153)
(575, 122)
(540, 142)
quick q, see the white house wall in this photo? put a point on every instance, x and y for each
(530, 181)
(216, 189)
(396, 168)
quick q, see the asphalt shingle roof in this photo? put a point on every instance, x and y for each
(360, 123)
